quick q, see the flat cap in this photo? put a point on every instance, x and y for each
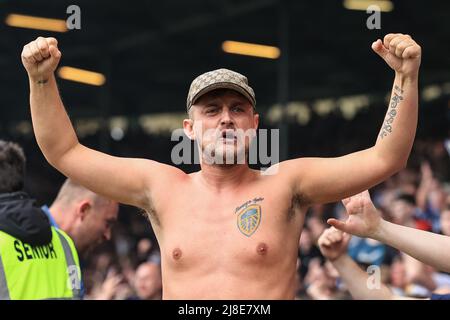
(219, 79)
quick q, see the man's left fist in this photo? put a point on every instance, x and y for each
(400, 52)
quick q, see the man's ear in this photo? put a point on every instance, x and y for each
(256, 120)
(83, 209)
(188, 127)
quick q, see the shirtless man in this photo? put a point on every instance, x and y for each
(226, 232)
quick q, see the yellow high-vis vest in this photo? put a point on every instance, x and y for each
(50, 271)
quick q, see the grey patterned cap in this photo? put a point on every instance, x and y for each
(219, 79)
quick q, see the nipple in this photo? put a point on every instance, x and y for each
(261, 249)
(176, 253)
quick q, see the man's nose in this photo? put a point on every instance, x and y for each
(226, 118)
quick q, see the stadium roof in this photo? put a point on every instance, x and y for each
(150, 51)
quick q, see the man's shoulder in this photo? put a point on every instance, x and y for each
(163, 170)
(288, 167)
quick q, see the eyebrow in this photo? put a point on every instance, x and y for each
(233, 101)
(210, 101)
(238, 100)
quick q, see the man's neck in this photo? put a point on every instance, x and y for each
(58, 215)
(223, 177)
(63, 218)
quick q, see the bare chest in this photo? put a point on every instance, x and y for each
(252, 228)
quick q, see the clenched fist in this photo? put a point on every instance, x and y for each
(333, 243)
(400, 52)
(40, 58)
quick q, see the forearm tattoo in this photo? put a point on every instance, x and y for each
(43, 81)
(392, 113)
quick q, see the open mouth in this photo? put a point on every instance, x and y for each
(228, 136)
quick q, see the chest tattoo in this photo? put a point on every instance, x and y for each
(249, 216)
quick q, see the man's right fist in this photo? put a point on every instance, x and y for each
(40, 58)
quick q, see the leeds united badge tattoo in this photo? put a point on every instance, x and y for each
(249, 216)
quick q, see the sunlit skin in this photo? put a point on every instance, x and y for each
(226, 231)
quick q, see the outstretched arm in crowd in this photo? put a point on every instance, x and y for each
(364, 220)
(333, 245)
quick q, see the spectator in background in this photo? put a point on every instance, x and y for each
(397, 278)
(364, 220)
(146, 285)
(109, 288)
(37, 261)
(85, 216)
(307, 252)
(333, 245)
(431, 197)
(147, 251)
(322, 282)
(403, 211)
(148, 282)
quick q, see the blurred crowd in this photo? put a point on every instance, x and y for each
(126, 268)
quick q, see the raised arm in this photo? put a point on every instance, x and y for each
(320, 180)
(125, 180)
(430, 248)
(364, 220)
(333, 245)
